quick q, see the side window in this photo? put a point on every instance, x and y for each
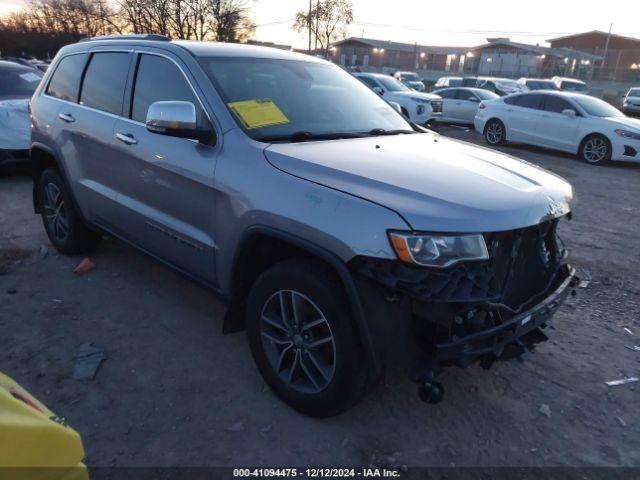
(448, 94)
(65, 82)
(148, 89)
(464, 95)
(368, 81)
(556, 104)
(104, 82)
(529, 101)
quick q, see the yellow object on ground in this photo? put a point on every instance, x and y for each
(34, 443)
(258, 113)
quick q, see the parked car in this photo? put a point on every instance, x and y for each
(308, 212)
(571, 122)
(419, 107)
(631, 102)
(531, 84)
(411, 80)
(571, 85)
(17, 84)
(446, 82)
(473, 82)
(500, 86)
(460, 105)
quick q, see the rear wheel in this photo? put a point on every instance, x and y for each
(595, 150)
(66, 231)
(494, 132)
(303, 338)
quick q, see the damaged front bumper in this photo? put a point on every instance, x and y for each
(424, 319)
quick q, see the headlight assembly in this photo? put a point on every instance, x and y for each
(439, 251)
(421, 100)
(628, 134)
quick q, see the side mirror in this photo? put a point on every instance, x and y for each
(569, 113)
(473, 99)
(176, 119)
(378, 90)
(396, 106)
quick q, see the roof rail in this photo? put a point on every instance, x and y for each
(133, 36)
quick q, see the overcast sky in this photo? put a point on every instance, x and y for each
(459, 23)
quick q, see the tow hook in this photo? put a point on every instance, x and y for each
(430, 391)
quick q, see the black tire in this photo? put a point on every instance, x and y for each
(65, 229)
(595, 150)
(310, 281)
(495, 132)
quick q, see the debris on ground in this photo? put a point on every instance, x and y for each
(88, 360)
(584, 284)
(624, 381)
(12, 291)
(545, 410)
(622, 422)
(628, 331)
(236, 427)
(85, 266)
(635, 348)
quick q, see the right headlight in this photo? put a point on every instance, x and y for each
(439, 251)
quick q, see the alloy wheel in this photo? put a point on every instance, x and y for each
(298, 341)
(494, 133)
(55, 212)
(595, 150)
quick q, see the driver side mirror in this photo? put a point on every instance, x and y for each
(378, 90)
(473, 99)
(569, 113)
(176, 119)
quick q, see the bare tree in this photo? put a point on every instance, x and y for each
(328, 20)
(231, 21)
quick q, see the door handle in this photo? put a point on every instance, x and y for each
(126, 138)
(65, 117)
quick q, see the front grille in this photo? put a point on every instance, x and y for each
(436, 106)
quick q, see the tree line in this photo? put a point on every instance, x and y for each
(44, 26)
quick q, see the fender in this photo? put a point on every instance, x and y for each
(233, 321)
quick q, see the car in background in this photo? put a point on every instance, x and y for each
(411, 80)
(571, 85)
(566, 121)
(17, 84)
(473, 82)
(460, 105)
(446, 82)
(419, 107)
(631, 102)
(531, 84)
(501, 86)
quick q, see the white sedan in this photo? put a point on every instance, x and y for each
(460, 105)
(420, 108)
(571, 122)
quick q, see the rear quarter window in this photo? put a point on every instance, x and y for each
(65, 81)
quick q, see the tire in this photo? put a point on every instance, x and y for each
(495, 133)
(65, 229)
(290, 363)
(595, 150)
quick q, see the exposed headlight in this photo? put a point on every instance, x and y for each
(438, 251)
(628, 134)
(420, 100)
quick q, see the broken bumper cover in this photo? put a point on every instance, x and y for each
(512, 337)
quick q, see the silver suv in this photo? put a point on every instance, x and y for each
(343, 238)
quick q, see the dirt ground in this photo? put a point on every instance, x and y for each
(175, 391)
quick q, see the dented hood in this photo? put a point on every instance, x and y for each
(15, 133)
(434, 183)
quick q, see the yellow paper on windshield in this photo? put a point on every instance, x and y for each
(258, 113)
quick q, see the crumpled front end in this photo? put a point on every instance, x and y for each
(484, 311)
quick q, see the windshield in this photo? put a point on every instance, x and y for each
(410, 77)
(391, 84)
(508, 84)
(279, 98)
(634, 92)
(18, 82)
(574, 86)
(596, 107)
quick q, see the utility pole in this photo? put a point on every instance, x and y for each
(310, 9)
(606, 50)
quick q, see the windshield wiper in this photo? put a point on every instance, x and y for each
(305, 136)
(376, 132)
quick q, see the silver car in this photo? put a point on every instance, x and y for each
(343, 238)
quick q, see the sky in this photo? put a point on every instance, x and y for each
(465, 23)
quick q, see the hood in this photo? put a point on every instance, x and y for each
(416, 94)
(626, 122)
(15, 130)
(434, 183)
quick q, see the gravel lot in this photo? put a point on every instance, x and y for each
(175, 391)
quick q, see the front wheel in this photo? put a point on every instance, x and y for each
(595, 150)
(304, 340)
(494, 132)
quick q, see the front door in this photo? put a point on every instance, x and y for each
(558, 130)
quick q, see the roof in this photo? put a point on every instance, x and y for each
(594, 32)
(548, 51)
(404, 47)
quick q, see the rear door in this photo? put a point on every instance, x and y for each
(466, 105)
(167, 201)
(557, 130)
(523, 114)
